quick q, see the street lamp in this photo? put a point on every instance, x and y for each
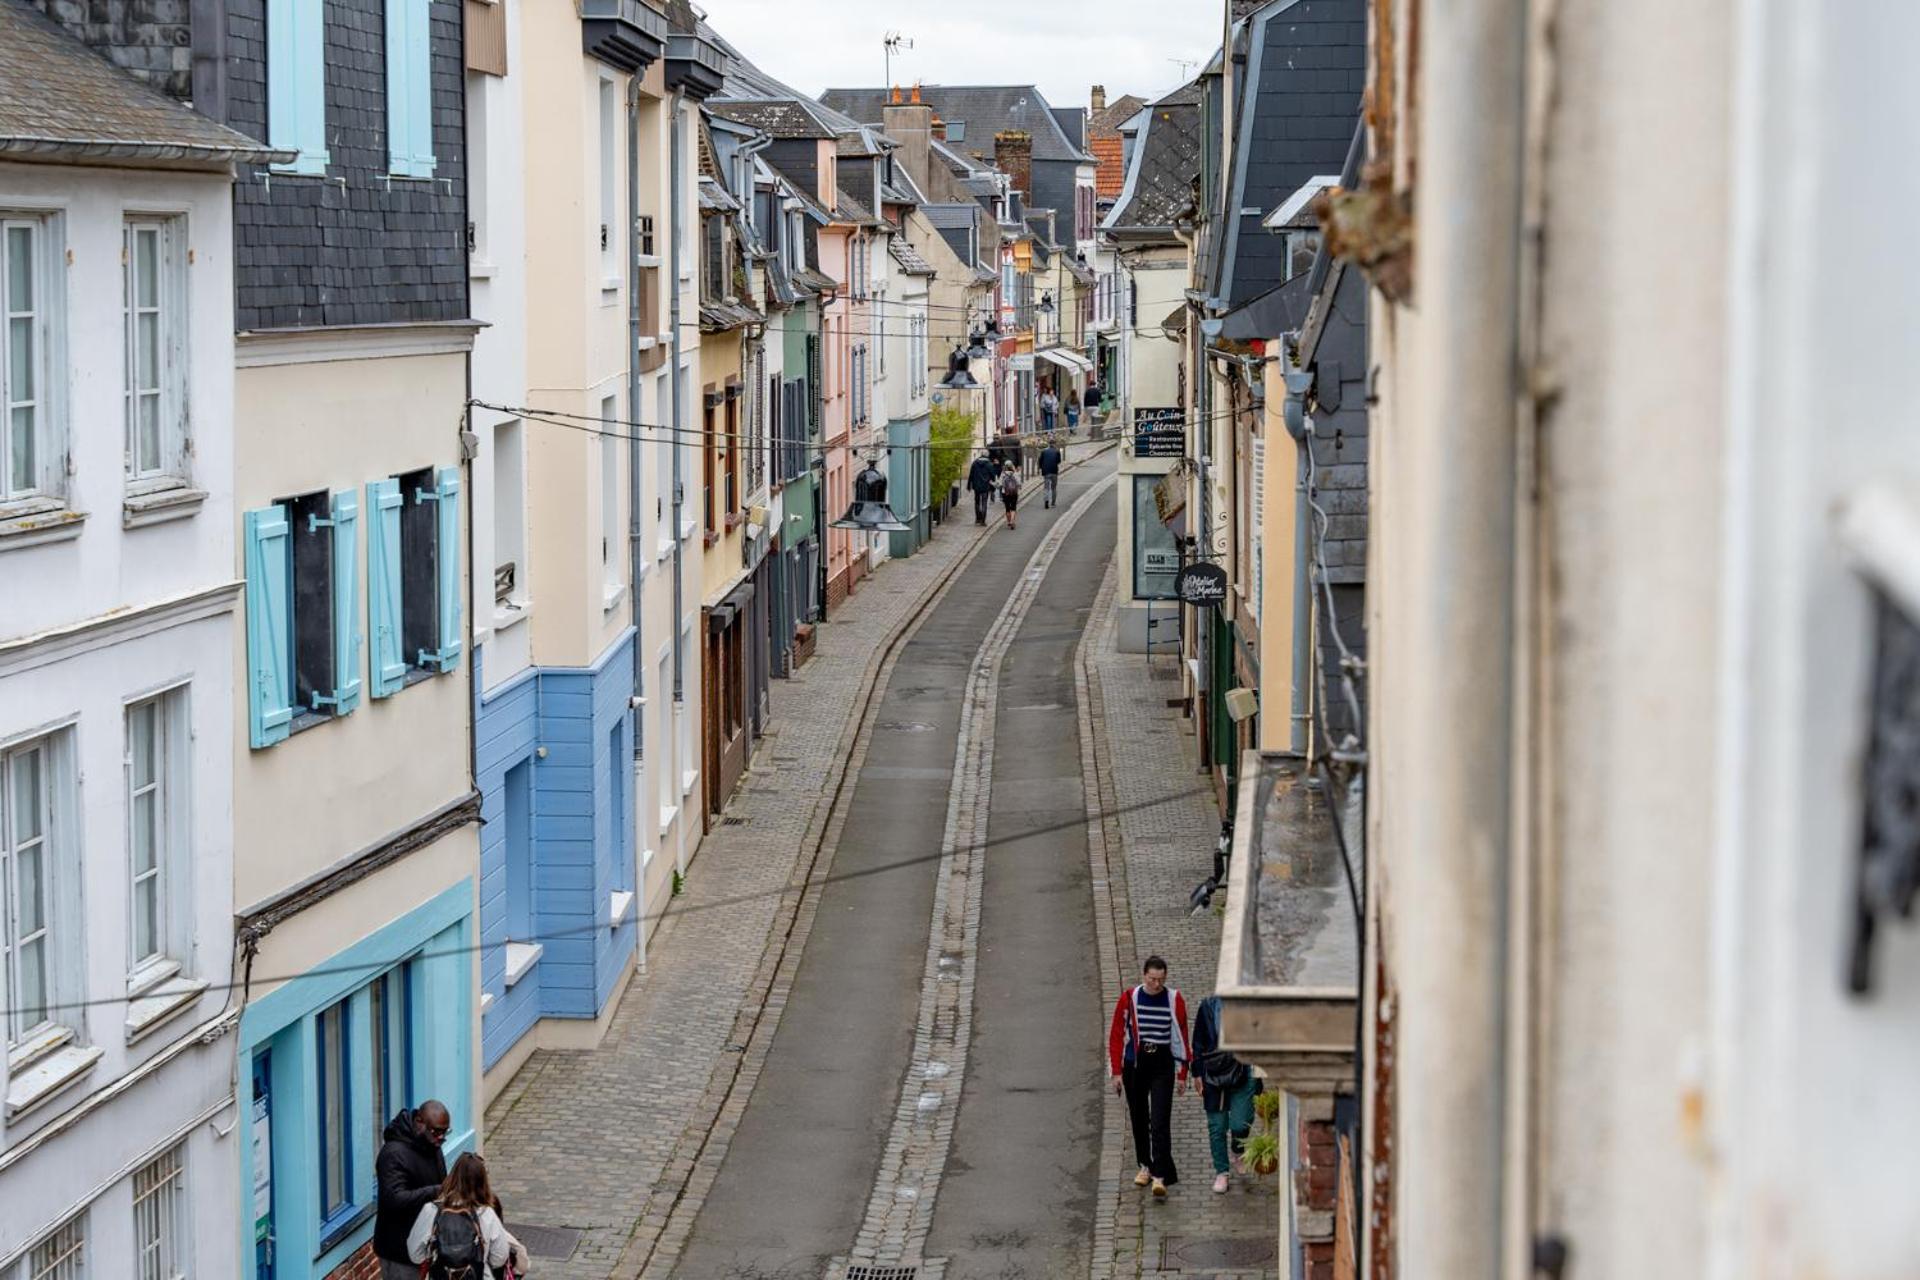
(869, 512)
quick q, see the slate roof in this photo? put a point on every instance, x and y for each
(1117, 112)
(1306, 70)
(847, 209)
(60, 101)
(1166, 159)
(781, 118)
(713, 197)
(716, 317)
(746, 82)
(909, 258)
(983, 109)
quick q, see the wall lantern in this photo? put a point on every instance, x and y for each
(869, 512)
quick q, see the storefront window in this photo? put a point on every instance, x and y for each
(1156, 557)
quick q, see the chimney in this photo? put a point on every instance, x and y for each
(913, 126)
(1097, 100)
(1013, 156)
(916, 93)
(895, 99)
(939, 128)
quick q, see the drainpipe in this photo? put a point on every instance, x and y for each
(633, 399)
(675, 220)
(1456, 862)
(1294, 415)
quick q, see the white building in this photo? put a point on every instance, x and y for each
(117, 592)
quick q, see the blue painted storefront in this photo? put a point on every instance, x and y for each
(908, 459)
(327, 1058)
(556, 841)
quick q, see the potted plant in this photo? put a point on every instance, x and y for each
(1261, 1152)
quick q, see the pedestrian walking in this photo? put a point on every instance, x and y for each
(1073, 410)
(1049, 410)
(981, 479)
(459, 1234)
(1010, 492)
(408, 1173)
(1050, 473)
(1147, 1056)
(1227, 1089)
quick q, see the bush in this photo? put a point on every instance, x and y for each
(952, 441)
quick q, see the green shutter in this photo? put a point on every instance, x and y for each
(387, 667)
(410, 88)
(269, 626)
(346, 602)
(446, 492)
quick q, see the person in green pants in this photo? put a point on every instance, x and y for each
(1227, 1090)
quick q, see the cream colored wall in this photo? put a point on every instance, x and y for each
(720, 568)
(1277, 582)
(577, 341)
(337, 425)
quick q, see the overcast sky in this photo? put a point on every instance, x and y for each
(1064, 46)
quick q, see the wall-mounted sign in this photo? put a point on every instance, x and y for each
(1159, 433)
(1021, 362)
(1202, 584)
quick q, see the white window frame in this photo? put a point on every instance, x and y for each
(43, 486)
(168, 390)
(162, 1230)
(60, 1254)
(510, 518)
(168, 785)
(608, 108)
(612, 580)
(50, 748)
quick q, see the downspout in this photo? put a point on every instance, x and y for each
(633, 405)
(1455, 863)
(676, 230)
(1294, 415)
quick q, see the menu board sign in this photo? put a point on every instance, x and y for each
(1159, 433)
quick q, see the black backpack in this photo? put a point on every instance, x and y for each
(457, 1251)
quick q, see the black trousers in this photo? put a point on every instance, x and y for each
(979, 506)
(1148, 1082)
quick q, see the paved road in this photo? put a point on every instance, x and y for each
(800, 1168)
(1018, 1197)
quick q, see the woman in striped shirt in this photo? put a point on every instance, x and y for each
(1147, 1055)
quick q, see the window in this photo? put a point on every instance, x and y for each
(303, 615)
(1156, 558)
(389, 1023)
(409, 88)
(509, 515)
(160, 1217)
(609, 185)
(297, 83)
(1300, 247)
(664, 781)
(713, 235)
(709, 464)
(154, 303)
(156, 828)
(333, 1069)
(27, 873)
(610, 500)
(413, 577)
(61, 1254)
(731, 449)
(28, 446)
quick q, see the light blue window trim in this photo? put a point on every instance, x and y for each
(435, 941)
(345, 523)
(269, 626)
(410, 88)
(387, 672)
(446, 493)
(297, 83)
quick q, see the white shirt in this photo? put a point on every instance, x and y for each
(499, 1243)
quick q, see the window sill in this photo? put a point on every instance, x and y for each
(687, 780)
(610, 597)
(667, 816)
(686, 529)
(37, 523)
(477, 270)
(521, 957)
(510, 615)
(486, 1002)
(50, 1072)
(169, 998)
(619, 907)
(158, 507)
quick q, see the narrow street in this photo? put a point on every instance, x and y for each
(907, 1058)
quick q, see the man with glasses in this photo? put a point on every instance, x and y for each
(409, 1171)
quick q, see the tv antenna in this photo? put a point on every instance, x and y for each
(893, 44)
(1185, 65)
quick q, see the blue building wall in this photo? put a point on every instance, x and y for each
(907, 485)
(580, 849)
(423, 961)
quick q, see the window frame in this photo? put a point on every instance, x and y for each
(612, 580)
(46, 935)
(335, 1131)
(45, 321)
(170, 786)
(169, 1219)
(71, 1264)
(172, 433)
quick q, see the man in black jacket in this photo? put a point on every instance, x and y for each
(408, 1171)
(981, 479)
(1050, 471)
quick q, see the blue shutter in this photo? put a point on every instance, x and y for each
(387, 667)
(346, 602)
(297, 82)
(446, 557)
(269, 626)
(409, 88)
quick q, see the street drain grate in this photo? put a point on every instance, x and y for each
(734, 820)
(1178, 1253)
(545, 1242)
(865, 1271)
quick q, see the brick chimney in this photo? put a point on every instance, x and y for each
(1013, 156)
(1097, 100)
(913, 126)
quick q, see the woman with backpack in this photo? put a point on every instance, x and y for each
(459, 1236)
(1010, 491)
(1227, 1090)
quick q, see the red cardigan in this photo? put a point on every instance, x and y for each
(1123, 1034)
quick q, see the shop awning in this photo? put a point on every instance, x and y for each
(1068, 359)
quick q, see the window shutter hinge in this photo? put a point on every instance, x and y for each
(316, 522)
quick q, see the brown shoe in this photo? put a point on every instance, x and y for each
(1142, 1178)
(1159, 1189)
